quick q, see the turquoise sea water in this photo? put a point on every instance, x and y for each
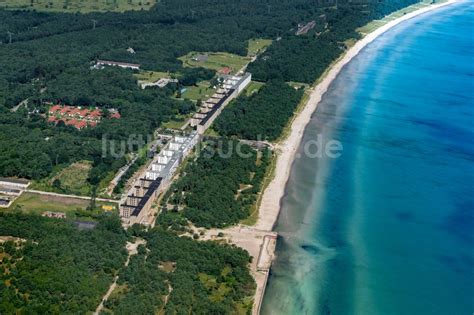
(387, 228)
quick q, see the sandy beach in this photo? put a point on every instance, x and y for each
(286, 150)
(253, 238)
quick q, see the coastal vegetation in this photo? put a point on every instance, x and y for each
(304, 58)
(253, 87)
(373, 25)
(56, 267)
(177, 275)
(260, 116)
(219, 188)
(300, 59)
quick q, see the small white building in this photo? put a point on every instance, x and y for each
(14, 183)
(10, 189)
(161, 83)
(136, 205)
(125, 65)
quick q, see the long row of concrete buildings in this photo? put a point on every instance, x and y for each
(231, 87)
(136, 206)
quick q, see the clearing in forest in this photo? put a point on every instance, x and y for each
(33, 203)
(218, 61)
(202, 91)
(258, 46)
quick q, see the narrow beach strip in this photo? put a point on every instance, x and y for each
(286, 150)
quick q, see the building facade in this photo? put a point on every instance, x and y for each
(136, 206)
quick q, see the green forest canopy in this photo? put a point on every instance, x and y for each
(62, 269)
(178, 275)
(221, 186)
(50, 56)
(59, 269)
(261, 116)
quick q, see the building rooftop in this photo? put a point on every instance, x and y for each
(84, 112)
(80, 118)
(215, 108)
(55, 108)
(14, 180)
(201, 58)
(117, 63)
(225, 70)
(81, 124)
(95, 113)
(71, 122)
(235, 81)
(149, 193)
(74, 111)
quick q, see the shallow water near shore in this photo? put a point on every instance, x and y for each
(387, 228)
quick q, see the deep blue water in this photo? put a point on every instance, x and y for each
(388, 227)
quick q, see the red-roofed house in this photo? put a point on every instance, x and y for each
(65, 110)
(83, 113)
(225, 70)
(77, 117)
(54, 109)
(74, 112)
(71, 122)
(95, 115)
(80, 124)
(116, 115)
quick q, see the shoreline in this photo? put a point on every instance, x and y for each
(270, 205)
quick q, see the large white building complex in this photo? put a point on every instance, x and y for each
(135, 207)
(232, 86)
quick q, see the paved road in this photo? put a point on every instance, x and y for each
(22, 103)
(47, 193)
(119, 175)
